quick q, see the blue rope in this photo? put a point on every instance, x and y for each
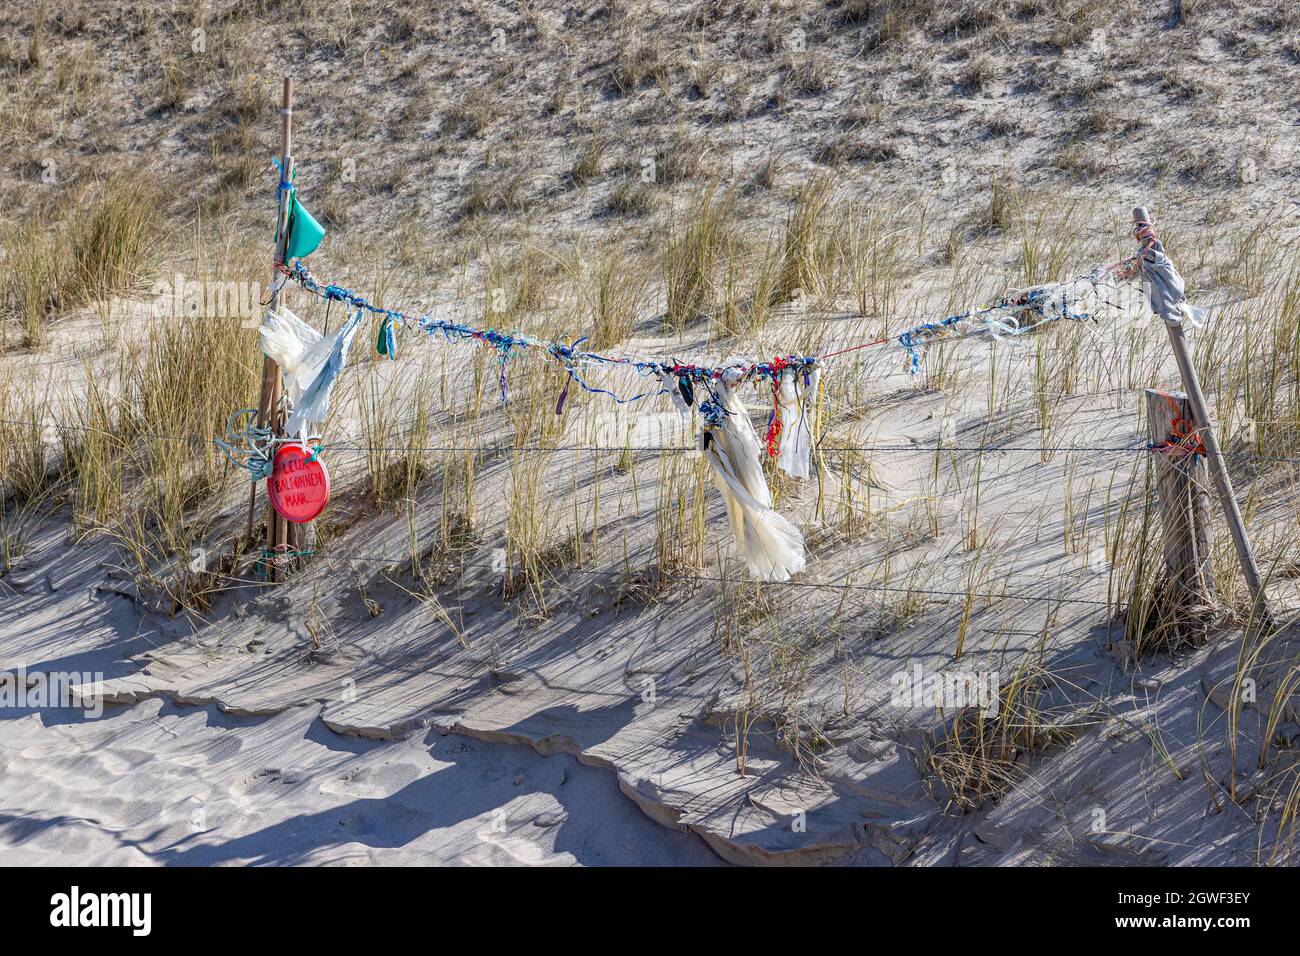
(252, 447)
(506, 344)
(712, 412)
(915, 339)
(246, 447)
(568, 356)
(284, 186)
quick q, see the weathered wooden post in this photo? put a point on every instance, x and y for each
(1183, 489)
(1204, 432)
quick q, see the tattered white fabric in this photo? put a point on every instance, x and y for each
(797, 403)
(1165, 288)
(772, 547)
(309, 362)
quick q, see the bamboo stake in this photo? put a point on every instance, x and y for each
(1214, 456)
(268, 411)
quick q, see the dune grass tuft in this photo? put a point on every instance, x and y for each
(99, 242)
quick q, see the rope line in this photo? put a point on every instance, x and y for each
(349, 447)
(1007, 318)
(676, 578)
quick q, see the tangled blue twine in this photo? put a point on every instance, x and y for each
(506, 344)
(915, 339)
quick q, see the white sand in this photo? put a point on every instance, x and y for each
(157, 784)
(231, 741)
(607, 732)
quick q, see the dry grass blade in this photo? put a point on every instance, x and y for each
(982, 752)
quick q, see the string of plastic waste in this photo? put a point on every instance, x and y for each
(508, 344)
(1016, 314)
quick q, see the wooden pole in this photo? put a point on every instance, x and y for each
(1183, 487)
(1218, 468)
(268, 409)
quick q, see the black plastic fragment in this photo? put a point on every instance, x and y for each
(688, 392)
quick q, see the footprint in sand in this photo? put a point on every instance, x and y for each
(501, 849)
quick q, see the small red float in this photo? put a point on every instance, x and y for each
(299, 486)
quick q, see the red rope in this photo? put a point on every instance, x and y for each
(1144, 233)
(774, 421)
(854, 348)
(1184, 434)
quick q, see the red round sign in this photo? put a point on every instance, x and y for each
(299, 488)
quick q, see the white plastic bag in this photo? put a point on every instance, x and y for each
(772, 546)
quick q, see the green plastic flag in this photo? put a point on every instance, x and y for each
(305, 233)
(387, 342)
